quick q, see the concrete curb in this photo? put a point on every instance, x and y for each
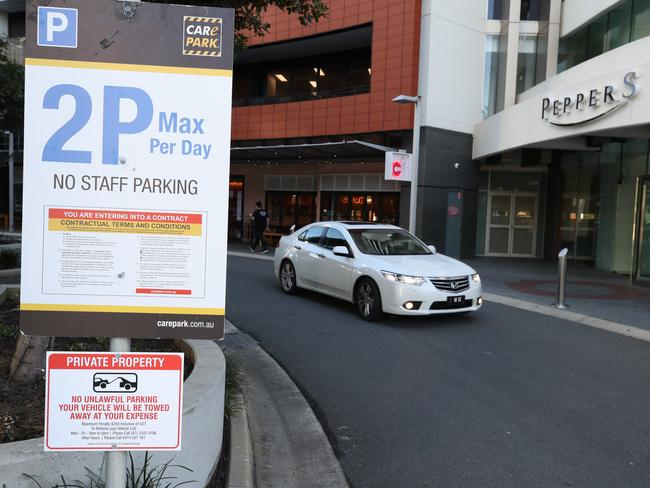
(5, 290)
(609, 326)
(241, 463)
(9, 273)
(289, 447)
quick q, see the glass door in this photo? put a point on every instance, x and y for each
(523, 225)
(512, 224)
(643, 271)
(499, 222)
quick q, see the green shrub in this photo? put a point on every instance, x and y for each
(234, 387)
(147, 476)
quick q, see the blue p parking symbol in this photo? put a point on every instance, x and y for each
(57, 27)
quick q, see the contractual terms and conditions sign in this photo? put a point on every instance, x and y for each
(127, 146)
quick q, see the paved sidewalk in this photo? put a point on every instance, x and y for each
(590, 291)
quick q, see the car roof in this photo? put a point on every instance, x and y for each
(346, 224)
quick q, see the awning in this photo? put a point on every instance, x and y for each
(325, 152)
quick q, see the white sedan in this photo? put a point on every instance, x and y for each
(380, 268)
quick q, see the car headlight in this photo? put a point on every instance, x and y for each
(476, 278)
(406, 279)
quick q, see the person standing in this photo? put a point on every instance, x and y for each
(260, 221)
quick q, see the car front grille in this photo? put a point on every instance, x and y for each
(452, 285)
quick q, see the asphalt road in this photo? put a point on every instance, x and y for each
(499, 398)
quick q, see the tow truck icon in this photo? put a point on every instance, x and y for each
(115, 382)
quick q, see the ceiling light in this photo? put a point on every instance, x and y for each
(281, 77)
(322, 73)
(313, 83)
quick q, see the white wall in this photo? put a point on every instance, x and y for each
(522, 125)
(451, 63)
(576, 13)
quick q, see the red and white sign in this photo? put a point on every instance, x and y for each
(398, 166)
(100, 401)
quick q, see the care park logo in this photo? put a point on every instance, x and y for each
(202, 36)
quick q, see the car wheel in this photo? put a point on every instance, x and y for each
(368, 300)
(127, 387)
(288, 278)
(102, 385)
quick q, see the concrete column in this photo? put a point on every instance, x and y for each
(553, 38)
(512, 53)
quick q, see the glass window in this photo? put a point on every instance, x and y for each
(514, 181)
(388, 242)
(498, 9)
(324, 76)
(618, 26)
(596, 37)
(573, 50)
(526, 63)
(333, 238)
(530, 10)
(312, 235)
(628, 21)
(493, 87)
(389, 209)
(290, 208)
(640, 19)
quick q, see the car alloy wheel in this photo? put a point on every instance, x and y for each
(369, 300)
(288, 278)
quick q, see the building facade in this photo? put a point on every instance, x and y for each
(564, 149)
(534, 130)
(313, 115)
(533, 123)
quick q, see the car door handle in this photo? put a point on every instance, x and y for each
(321, 255)
(297, 247)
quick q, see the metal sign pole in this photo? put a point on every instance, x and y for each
(116, 460)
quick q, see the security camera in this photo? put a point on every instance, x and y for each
(456, 166)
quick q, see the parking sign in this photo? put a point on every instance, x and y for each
(57, 27)
(127, 148)
(100, 401)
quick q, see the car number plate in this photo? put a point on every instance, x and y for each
(456, 299)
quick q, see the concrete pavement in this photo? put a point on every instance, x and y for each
(590, 291)
(503, 397)
(287, 447)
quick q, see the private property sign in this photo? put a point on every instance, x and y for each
(113, 401)
(127, 148)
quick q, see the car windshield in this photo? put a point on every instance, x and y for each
(387, 242)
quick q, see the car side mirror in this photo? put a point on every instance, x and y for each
(341, 251)
(433, 248)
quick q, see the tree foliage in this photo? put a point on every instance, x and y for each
(12, 88)
(249, 16)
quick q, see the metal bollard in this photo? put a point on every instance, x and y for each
(561, 278)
